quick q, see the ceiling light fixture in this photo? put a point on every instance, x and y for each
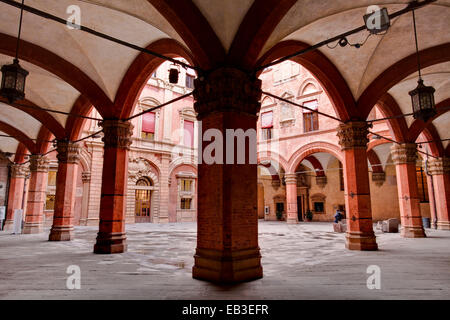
(13, 75)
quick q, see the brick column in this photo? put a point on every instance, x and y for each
(86, 179)
(353, 140)
(291, 198)
(227, 223)
(111, 237)
(405, 156)
(34, 218)
(66, 185)
(440, 172)
(17, 182)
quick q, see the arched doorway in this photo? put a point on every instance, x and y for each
(143, 198)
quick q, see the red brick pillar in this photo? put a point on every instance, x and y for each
(227, 235)
(405, 156)
(440, 172)
(15, 198)
(111, 237)
(34, 217)
(353, 140)
(66, 184)
(291, 198)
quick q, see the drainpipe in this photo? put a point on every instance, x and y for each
(433, 194)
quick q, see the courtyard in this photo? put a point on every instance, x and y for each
(300, 262)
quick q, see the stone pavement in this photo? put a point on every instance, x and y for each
(304, 261)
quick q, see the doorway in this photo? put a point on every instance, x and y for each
(300, 208)
(143, 201)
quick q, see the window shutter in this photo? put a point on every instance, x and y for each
(148, 122)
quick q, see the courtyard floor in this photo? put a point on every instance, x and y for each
(304, 261)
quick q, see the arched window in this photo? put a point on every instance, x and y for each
(143, 200)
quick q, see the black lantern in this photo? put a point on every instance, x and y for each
(13, 82)
(423, 102)
(13, 75)
(174, 72)
(422, 97)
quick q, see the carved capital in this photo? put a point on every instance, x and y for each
(86, 176)
(321, 181)
(290, 178)
(68, 152)
(405, 153)
(19, 171)
(117, 133)
(38, 163)
(353, 135)
(227, 89)
(378, 178)
(439, 166)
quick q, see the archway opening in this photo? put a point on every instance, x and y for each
(143, 200)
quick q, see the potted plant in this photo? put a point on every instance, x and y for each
(309, 215)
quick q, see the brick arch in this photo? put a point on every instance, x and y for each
(19, 136)
(305, 83)
(42, 116)
(316, 165)
(75, 125)
(310, 149)
(374, 161)
(273, 156)
(397, 72)
(60, 67)
(85, 160)
(389, 108)
(140, 70)
(418, 125)
(20, 153)
(324, 70)
(431, 134)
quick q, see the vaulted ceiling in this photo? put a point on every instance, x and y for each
(71, 68)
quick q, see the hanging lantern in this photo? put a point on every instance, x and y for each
(174, 72)
(422, 97)
(13, 82)
(423, 102)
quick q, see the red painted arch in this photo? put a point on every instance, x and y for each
(74, 125)
(326, 72)
(389, 108)
(256, 27)
(399, 71)
(43, 117)
(374, 161)
(316, 165)
(60, 67)
(140, 70)
(436, 148)
(19, 136)
(194, 29)
(20, 153)
(311, 148)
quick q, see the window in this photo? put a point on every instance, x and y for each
(310, 119)
(186, 185)
(422, 185)
(189, 81)
(318, 207)
(280, 207)
(51, 178)
(148, 126)
(186, 203)
(50, 202)
(266, 125)
(189, 133)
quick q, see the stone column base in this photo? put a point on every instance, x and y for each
(413, 232)
(115, 242)
(441, 225)
(61, 233)
(9, 225)
(32, 228)
(92, 222)
(361, 241)
(227, 266)
(292, 221)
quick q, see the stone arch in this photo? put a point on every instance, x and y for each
(273, 156)
(307, 83)
(310, 149)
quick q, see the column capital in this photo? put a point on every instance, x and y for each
(117, 133)
(405, 153)
(321, 181)
(378, 178)
(353, 135)
(439, 166)
(68, 152)
(86, 176)
(227, 89)
(38, 163)
(290, 178)
(19, 171)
